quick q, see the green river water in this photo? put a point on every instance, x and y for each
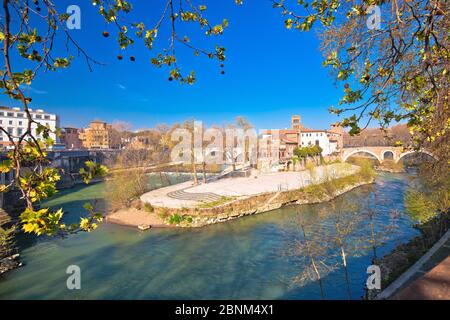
(256, 257)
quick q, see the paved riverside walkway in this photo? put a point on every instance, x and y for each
(186, 195)
(432, 280)
(434, 285)
(427, 279)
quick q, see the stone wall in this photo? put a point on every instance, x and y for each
(11, 206)
(266, 202)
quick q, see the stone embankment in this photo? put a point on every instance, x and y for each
(10, 209)
(276, 201)
(229, 207)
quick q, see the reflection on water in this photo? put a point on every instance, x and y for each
(252, 257)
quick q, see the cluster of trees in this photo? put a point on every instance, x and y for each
(302, 154)
(154, 146)
(230, 153)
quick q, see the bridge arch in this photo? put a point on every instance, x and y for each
(388, 155)
(415, 151)
(361, 151)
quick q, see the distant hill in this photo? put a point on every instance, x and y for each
(378, 137)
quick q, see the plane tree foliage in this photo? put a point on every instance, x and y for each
(394, 71)
(398, 71)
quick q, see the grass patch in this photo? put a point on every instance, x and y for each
(216, 203)
(178, 219)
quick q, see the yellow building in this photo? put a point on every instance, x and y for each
(99, 135)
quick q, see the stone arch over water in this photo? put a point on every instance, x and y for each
(403, 155)
(388, 155)
(355, 152)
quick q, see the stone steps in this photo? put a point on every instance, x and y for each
(183, 195)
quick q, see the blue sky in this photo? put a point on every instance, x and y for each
(271, 73)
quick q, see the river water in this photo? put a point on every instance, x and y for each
(256, 257)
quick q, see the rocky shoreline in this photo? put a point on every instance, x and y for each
(390, 170)
(9, 263)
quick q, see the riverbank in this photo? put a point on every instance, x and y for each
(426, 279)
(9, 263)
(325, 184)
(391, 166)
(395, 264)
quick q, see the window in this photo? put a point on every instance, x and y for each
(20, 115)
(317, 142)
(10, 114)
(47, 117)
(20, 123)
(10, 122)
(19, 131)
(10, 130)
(38, 116)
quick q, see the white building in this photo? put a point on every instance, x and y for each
(327, 140)
(15, 122)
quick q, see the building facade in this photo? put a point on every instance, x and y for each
(321, 138)
(331, 141)
(15, 122)
(71, 138)
(99, 135)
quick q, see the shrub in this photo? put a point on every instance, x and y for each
(175, 219)
(6, 241)
(124, 186)
(163, 213)
(367, 172)
(149, 208)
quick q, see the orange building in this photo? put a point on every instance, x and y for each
(99, 135)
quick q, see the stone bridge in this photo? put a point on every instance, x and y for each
(382, 153)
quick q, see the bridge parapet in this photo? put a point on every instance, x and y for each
(381, 153)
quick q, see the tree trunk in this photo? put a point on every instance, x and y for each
(194, 169)
(319, 279)
(347, 279)
(233, 163)
(204, 171)
(194, 173)
(313, 263)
